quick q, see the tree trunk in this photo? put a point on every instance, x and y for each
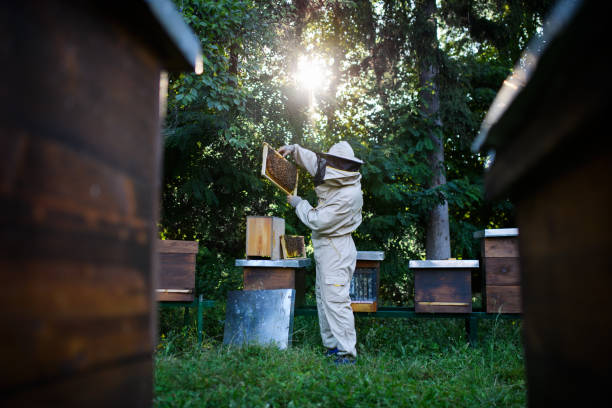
(437, 245)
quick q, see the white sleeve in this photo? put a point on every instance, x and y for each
(305, 159)
(321, 218)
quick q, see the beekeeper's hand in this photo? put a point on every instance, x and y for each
(287, 149)
(293, 200)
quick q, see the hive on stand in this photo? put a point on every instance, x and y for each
(365, 282)
(443, 286)
(177, 261)
(279, 170)
(501, 288)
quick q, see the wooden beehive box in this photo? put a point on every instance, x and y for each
(263, 237)
(177, 260)
(501, 273)
(80, 166)
(443, 286)
(365, 281)
(264, 274)
(553, 159)
(279, 170)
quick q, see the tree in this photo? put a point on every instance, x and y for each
(437, 244)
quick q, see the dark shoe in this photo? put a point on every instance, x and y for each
(344, 360)
(331, 352)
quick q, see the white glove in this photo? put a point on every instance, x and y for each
(287, 149)
(293, 200)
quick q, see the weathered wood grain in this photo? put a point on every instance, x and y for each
(269, 278)
(367, 264)
(126, 383)
(51, 347)
(504, 299)
(177, 271)
(168, 246)
(258, 278)
(263, 237)
(442, 285)
(502, 271)
(79, 186)
(565, 250)
(500, 247)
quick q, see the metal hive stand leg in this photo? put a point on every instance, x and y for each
(471, 330)
(200, 318)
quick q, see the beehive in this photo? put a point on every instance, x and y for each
(79, 183)
(365, 282)
(263, 237)
(501, 270)
(177, 261)
(443, 286)
(279, 170)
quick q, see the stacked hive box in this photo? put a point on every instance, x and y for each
(264, 269)
(80, 151)
(501, 270)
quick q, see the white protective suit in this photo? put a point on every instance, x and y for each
(336, 216)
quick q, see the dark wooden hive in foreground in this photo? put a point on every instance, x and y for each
(549, 128)
(80, 152)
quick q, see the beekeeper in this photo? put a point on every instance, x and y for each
(337, 215)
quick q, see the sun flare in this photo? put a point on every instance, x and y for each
(312, 73)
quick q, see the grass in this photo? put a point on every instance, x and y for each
(402, 363)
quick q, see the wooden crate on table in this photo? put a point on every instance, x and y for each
(263, 237)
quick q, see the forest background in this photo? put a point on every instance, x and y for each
(401, 81)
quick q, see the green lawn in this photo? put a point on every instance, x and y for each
(402, 363)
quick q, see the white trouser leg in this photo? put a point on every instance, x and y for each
(327, 337)
(336, 258)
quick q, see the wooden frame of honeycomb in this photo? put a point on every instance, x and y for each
(279, 170)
